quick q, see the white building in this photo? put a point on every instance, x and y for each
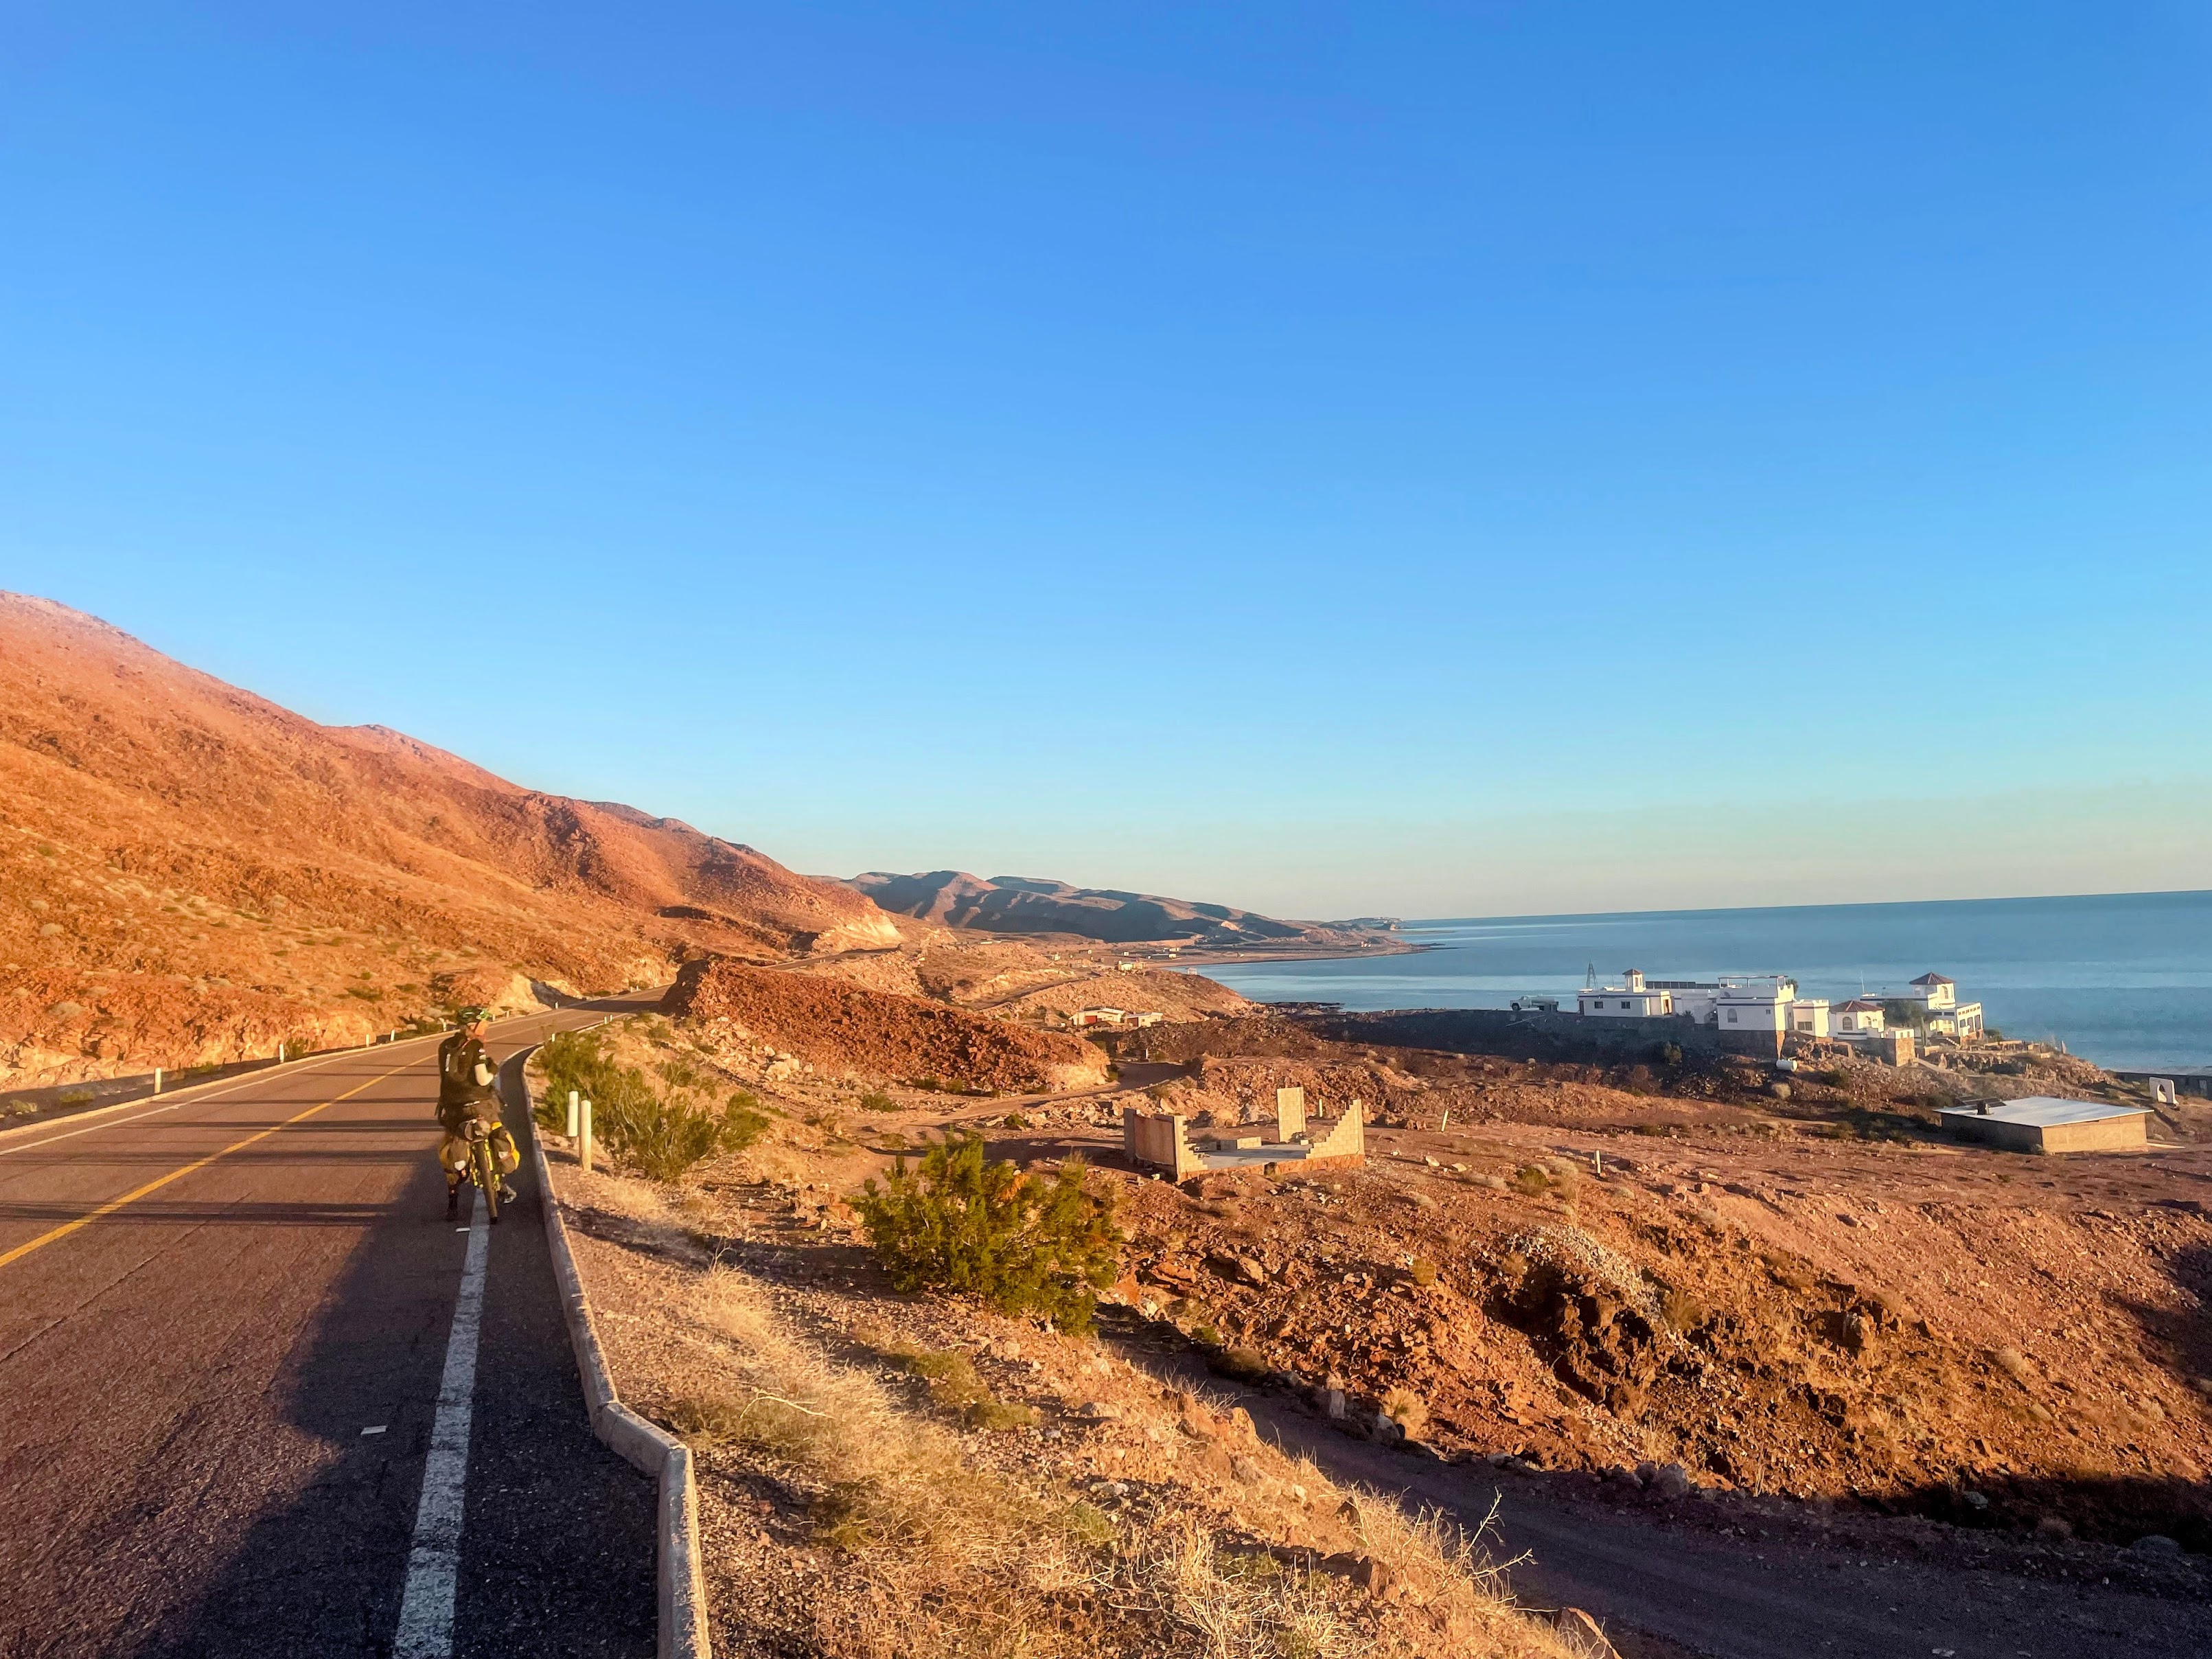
(1632, 1001)
(1937, 998)
(1859, 1018)
(1810, 1017)
(1756, 1004)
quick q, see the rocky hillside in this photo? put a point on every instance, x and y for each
(841, 1030)
(189, 873)
(1027, 904)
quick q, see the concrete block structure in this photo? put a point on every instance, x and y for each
(2045, 1123)
(1162, 1140)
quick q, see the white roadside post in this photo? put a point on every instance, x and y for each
(584, 1139)
(157, 1079)
(572, 1114)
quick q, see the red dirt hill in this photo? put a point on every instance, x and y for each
(189, 872)
(841, 1029)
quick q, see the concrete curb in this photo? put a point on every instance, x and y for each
(682, 1590)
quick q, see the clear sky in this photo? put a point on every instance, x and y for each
(1442, 459)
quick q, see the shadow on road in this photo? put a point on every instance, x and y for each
(557, 1548)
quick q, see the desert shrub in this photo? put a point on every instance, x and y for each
(877, 1101)
(1531, 1180)
(664, 1140)
(1407, 1410)
(661, 1135)
(1681, 1310)
(1424, 1271)
(1240, 1364)
(954, 1384)
(743, 1120)
(1021, 1243)
(1667, 1054)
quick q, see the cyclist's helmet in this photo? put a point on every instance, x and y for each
(467, 1016)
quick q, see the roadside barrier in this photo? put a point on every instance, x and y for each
(645, 1447)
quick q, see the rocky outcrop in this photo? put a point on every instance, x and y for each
(841, 1029)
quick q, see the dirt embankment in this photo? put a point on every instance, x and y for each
(1813, 1295)
(883, 1476)
(844, 1030)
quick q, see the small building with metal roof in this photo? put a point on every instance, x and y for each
(2046, 1123)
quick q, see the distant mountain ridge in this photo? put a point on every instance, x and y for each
(1030, 904)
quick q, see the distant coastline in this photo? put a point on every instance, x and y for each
(2121, 979)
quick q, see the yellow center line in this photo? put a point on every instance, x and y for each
(115, 1204)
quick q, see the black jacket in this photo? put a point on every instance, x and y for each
(459, 1094)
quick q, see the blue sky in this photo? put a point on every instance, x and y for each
(1447, 459)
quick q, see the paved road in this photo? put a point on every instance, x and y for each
(203, 1305)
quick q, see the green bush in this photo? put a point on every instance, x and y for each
(877, 1101)
(661, 1135)
(1021, 1243)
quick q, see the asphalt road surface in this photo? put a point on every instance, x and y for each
(224, 1321)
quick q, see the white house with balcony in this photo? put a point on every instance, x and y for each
(1936, 999)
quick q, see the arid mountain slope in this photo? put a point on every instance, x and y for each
(1027, 904)
(189, 873)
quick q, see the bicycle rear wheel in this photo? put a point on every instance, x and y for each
(487, 1177)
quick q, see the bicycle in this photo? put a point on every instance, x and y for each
(483, 1166)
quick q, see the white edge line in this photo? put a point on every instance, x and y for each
(434, 1560)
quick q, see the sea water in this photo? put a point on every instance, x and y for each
(2121, 979)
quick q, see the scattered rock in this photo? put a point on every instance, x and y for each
(1378, 1578)
(1242, 1268)
(2156, 1543)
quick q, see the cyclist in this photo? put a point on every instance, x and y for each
(465, 1075)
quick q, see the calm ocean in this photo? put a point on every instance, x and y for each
(2123, 980)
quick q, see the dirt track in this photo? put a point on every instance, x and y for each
(1855, 1596)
